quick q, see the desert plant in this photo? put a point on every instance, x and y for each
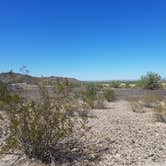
(150, 81)
(137, 107)
(115, 84)
(36, 127)
(127, 85)
(160, 112)
(109, 95)
(152, 101)
(90, 94)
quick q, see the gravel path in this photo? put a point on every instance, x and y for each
(132, 139)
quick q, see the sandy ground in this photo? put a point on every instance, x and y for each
(126, 138)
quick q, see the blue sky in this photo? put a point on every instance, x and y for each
(85, 39)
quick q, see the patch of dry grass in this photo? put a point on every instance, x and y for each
(153, 103)
(160, 112)
(138, 107)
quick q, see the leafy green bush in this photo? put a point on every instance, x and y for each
(36, 127)
(90, 94)
(127, 85)
(109, 95)
(150, 81)
(115, 84)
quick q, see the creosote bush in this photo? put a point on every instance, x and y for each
(150, 81)
(109, 95)
(95, 95)
(36, 127)
(115, 84)
(90, 95)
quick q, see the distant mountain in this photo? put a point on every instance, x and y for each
(13, 78)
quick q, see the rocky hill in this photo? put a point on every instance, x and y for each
(13, 78)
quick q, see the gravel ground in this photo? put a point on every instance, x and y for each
(132, 139)
(125, 94)
(123, 138)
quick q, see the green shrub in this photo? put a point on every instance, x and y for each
(115, 84)
(36, 127)
(127, 85)
(109, 95)
(90, 94)
(150, 81)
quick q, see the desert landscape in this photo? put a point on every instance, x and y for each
(83, 83)
(124, 126)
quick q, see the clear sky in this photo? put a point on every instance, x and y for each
(85, 39)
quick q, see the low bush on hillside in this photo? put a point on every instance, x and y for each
(36, 127)
(150, 81)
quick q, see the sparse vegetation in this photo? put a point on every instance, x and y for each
(139, 104)
(160, 112)
(150, 81)
(152, 100)
(52, 125)
(93, 95)
(137, 107)
(109, 95)
(36, 127)
(90, 95)
(115, 84)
